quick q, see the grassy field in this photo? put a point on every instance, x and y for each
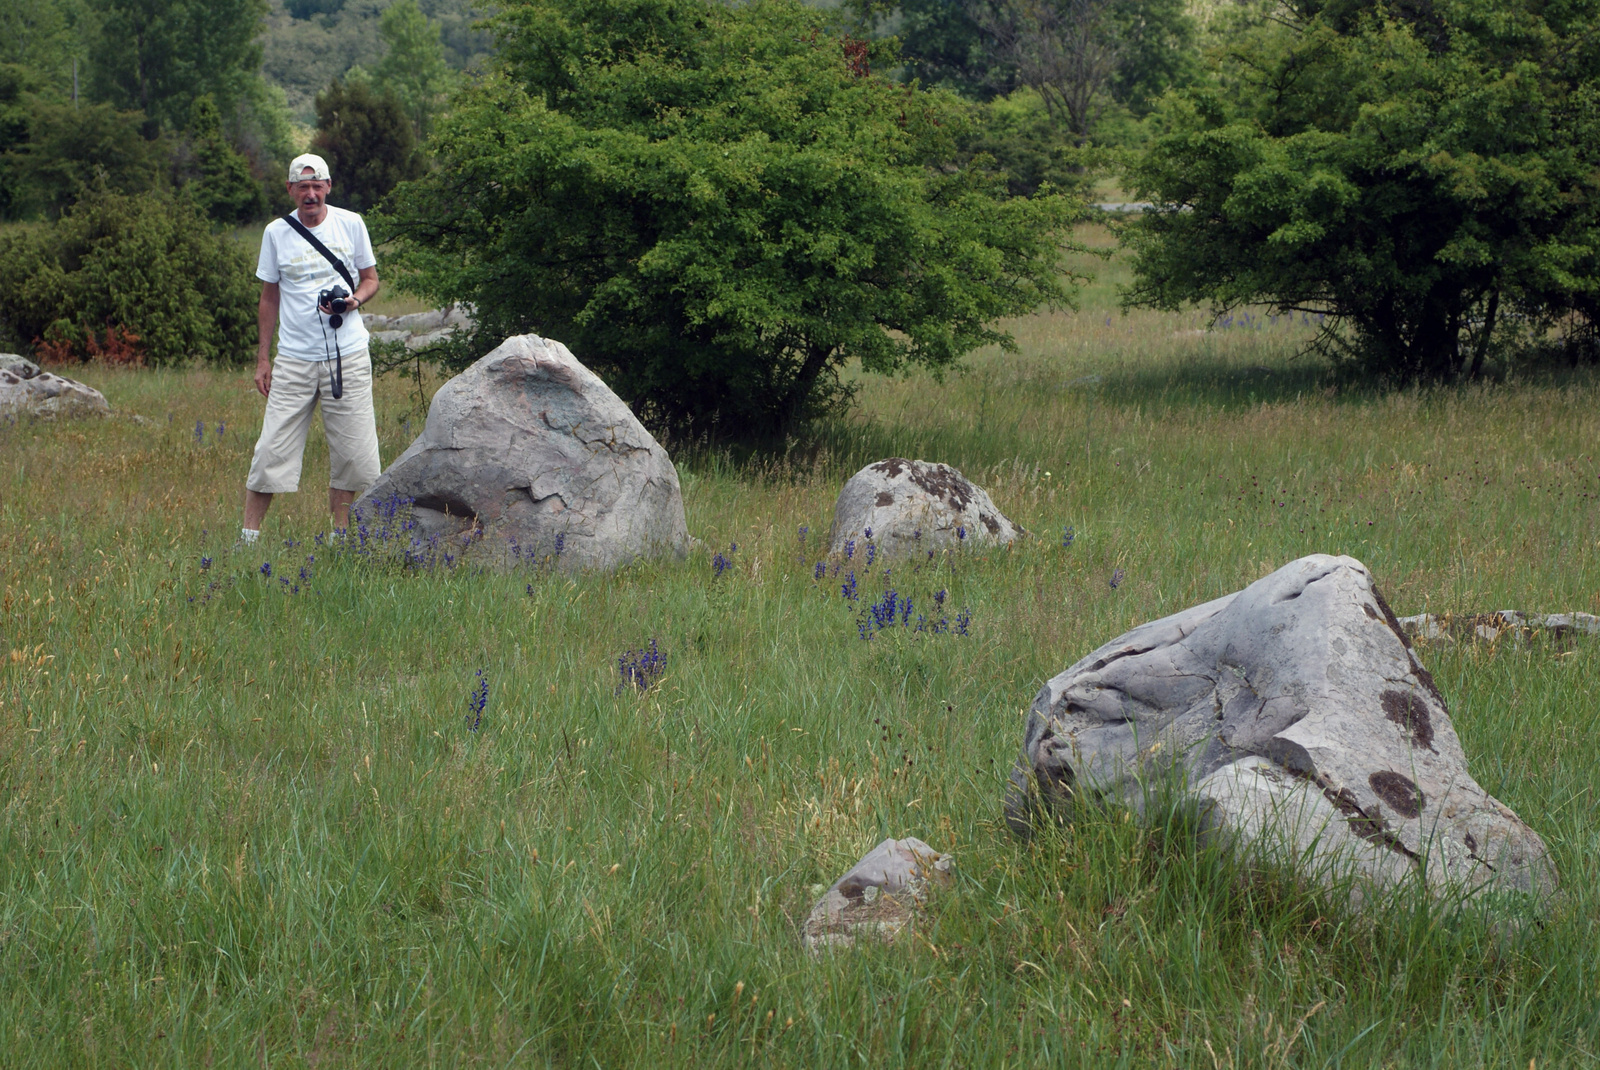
(249, 822)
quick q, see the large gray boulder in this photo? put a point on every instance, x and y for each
(910, 506)
(27, 390)
(877, 897)
(530, 450)
(1298, 716)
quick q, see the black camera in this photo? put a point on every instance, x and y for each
(334, 299)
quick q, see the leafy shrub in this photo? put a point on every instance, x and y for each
(1029, 146)
(116, 265)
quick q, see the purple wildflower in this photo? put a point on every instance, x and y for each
(479, 699)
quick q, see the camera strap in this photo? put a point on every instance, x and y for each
(337, 379)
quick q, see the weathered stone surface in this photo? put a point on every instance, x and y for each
(19, 365)
(1299, 716)
(26, 390)
(912, 506)
(879, 896)
(530, 447)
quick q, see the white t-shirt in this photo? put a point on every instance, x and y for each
(302, 273)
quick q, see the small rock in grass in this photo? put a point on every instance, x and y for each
(879, 897)
(913, 506)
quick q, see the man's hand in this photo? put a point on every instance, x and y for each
(264, 376)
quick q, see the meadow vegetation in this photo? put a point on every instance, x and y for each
(256, 819)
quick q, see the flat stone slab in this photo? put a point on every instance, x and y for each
(1491, 627)
(1298, 716)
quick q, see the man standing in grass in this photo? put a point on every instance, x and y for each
(322, 349)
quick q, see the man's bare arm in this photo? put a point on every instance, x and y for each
(366, 285)
(266, 323)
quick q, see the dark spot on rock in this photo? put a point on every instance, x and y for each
(1422, 674)
(1472, 851)
(852, 888)
(892, 467)
(1363, 824)
(991, 523)
(1389, 618)
(1426, 678)
(941, 481)
(884, 498)
(1373, 613)
(1400, 793)
(1411, 713)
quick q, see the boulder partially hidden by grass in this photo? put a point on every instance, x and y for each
(1300, 719)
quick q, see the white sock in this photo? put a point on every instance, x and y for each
(249, 537)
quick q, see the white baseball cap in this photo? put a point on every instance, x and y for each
(319, 168)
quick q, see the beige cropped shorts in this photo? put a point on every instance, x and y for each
(352, 429)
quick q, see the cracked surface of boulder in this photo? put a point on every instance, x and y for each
(532, 450)
(878, 897)
(27, 390)
(913, 506)
(1298, 715)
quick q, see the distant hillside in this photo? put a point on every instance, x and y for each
(309, 43)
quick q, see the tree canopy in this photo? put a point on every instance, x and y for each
(1413, 172)
(159, 56)
(717, 208)
(413, 67)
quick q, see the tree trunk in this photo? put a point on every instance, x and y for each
(816, 360)
(1484, 335)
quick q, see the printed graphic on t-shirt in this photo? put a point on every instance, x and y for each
(311, 266)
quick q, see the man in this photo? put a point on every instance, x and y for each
(293, 272)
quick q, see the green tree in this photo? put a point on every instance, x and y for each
(368, 143)
(69, 149)
(1078, 56)
(224, 187)
(413, 67)
(718, 207)
(1409, 172)
(146, 265)
(159, 56)
(45, 37)
(15, 82)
